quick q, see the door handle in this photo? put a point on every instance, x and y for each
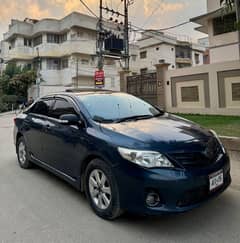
(48, 127)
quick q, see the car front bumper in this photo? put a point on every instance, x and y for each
(179, 190)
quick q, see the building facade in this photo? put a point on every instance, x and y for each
(64, 50)
(221, 29)
(154, 48)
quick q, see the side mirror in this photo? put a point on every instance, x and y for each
(70, 119)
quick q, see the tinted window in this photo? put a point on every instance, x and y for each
(115, 106)
(224, 24)
(42, 107)
(62, 107)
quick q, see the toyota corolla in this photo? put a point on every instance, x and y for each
(124, 153)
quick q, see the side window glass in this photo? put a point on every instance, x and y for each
(42, 107)
(62, 107)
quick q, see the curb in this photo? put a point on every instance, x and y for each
(7, 113)
(231, 143)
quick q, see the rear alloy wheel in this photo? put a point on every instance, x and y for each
(22, 153)
(102, 190)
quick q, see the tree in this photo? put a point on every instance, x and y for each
(229, 4)
(228, 7)
(14, 84)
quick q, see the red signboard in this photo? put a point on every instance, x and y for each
(99, 78)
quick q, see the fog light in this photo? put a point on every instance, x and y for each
(152, 199)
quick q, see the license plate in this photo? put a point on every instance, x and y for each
(215, 180)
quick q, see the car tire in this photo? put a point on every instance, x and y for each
(102, 194)
(23, 154)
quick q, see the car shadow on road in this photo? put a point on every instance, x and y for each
(210, 217)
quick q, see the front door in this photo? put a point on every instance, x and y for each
(63, 144)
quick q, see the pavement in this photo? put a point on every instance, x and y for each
(36, 206)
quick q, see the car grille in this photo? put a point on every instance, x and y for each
(199, 158)
(201, 193)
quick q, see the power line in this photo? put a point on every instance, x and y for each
(89, 9)
(139, 28)
(152, 13)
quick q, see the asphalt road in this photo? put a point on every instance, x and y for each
(38, 207)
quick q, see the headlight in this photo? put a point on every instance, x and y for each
(218, 139)
(147, 159)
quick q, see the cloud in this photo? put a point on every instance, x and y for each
(164, 7)
(74, 5)
(22, 9)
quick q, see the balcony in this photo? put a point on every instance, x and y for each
(67, 48)
(23, 53)
(184, 60)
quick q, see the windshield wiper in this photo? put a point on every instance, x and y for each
(134, 118)
(102, 120)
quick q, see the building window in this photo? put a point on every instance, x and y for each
(183, 65)
(143, 54)
(183, 52)
(27, 42)
(63, 38)
(53, 64)
(64, 62)
(112, 82)
(157, 49)
(236, 91)
(143, 70)
(85, 61)
(57, 39)
(134, 58)
(190, 94)
(197, 58)
(37, 41)
(224, 24)
(12, 44)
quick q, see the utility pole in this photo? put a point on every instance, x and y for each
(126, 35)
(38, 80)
(100, 37)
(237, 4)
(77, 72)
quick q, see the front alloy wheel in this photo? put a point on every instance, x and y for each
(100, 189)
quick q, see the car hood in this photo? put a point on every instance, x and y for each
(160, 132)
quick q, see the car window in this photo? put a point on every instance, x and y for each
(62, 107)
(42, 107)
(115, 106)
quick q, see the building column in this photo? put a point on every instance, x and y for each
(123, 80)
(162, 68)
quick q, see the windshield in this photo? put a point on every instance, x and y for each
(117, 107)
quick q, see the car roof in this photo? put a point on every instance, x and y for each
(78, 92)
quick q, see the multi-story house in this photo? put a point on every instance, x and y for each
(66, 49)
(154, 48)
(221, 29)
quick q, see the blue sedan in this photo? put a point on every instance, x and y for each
(124, 153)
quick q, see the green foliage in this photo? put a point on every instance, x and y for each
(228, 6)
(14, 84)
(223, 125)
(228, 3)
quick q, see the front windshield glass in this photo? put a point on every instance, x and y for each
(114, 107)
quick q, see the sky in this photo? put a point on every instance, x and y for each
(152, 14)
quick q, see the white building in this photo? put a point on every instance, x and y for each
(67, 50)
(221, 29)
(154, 48)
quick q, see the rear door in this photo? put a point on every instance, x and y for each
(34, 125)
